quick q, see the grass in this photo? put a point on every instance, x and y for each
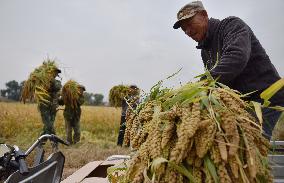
(20, 124)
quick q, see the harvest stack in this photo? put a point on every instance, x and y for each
(71, 94)
(40, 82)
(116, 95)
(200, 132)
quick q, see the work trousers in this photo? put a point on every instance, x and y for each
(121, 131)
(72, 123)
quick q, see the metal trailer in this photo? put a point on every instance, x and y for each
(96, 171)
(276, 161)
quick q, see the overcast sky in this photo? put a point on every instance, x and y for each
(102, 43)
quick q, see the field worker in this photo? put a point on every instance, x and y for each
(72, 118)
(132, 99)
(233, 54)
(48, 111)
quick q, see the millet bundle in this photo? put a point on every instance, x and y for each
(71, 93)
(39, 83)
(117, 94)
(200, 132)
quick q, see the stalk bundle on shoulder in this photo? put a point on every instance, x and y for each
(117, 94)
(71, 93)
(39, 83)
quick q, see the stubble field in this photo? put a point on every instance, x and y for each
(20, 124)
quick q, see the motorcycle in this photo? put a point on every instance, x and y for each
(14, 168)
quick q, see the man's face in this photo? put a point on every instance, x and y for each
(196, 27)
(133, 91)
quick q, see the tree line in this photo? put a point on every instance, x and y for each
(14, 88)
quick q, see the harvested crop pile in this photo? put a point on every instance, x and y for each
(39, 83)
(71, 93)
(116, 95)
(200, 132)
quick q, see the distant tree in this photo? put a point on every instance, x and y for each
(89, 98)
(93, 99)
(3, 93)
(13, 90)
(22, 85)
(98, 99)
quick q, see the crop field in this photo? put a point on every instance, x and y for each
(20, 124)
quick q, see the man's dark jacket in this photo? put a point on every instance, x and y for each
(242, 63)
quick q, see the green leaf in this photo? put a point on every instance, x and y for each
(200, 75)
(222, 85)
(191, 100)
(182, 170)
(179, 168)
(270, 91)
(174, 74)
(248, 94)
(278, 108)
(266, 103)
(257, 108)
(205, 101)
(182, 96)
(213, 99)
(211, 168)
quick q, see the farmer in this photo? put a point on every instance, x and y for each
(48, 110)
(72, 118)
(132, 99)
(233, 55)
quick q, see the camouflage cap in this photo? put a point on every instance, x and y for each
(188, 11)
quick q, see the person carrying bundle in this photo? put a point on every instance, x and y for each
(233, 55)
(72, 98)
(131, 99)
(43, 88)
(48, 111)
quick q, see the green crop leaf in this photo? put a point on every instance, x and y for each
(278, 108)
(272, 90)
(211, 168)
(179, 168)
(182, 170)
(257, 108)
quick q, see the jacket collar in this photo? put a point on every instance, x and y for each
(212, 28)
